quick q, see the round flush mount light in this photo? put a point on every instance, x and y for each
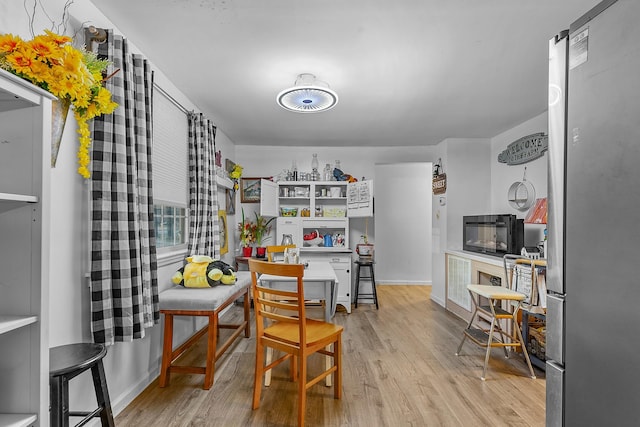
(308, 95)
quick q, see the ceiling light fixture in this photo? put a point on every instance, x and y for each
(308, 95)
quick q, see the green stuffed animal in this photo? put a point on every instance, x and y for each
(202, 271)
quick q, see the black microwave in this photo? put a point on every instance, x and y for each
(495, 235)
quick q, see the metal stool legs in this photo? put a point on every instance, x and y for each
(371, 277)
(67, 362)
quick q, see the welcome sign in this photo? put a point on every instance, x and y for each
(525, 149)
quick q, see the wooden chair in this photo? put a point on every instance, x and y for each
(276, 249)
(291, 332)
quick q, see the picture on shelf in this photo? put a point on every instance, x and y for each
(250, 189)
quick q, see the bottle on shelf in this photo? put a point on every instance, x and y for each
(294, 170)
(328, 174)
(315, 175)
(337, 166)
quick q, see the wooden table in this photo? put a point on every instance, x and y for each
(242, 260)
(320, 282)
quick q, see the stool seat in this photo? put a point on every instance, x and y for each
(366, 263)
(65, 363)
(71, 358)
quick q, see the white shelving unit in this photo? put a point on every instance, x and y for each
(25, 158)
(330, 205)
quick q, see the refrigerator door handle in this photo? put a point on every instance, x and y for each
(555, 328)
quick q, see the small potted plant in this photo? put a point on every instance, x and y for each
(247, 236)
(262, 227)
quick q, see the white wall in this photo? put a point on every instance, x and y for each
(403, 223)
(502, 175)
(466, 163)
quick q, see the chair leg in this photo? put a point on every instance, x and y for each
(337, 360)
(247, 313)
(212, 341)
(167, 347)
(524, 350)
(486, 357)
(102, 394)
(302, 389)
(267, 373)
(259, 372)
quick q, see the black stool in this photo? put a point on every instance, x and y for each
(67, 362)
(366, 263)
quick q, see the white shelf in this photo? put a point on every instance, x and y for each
(10, 201)
(9, 323)
(17, 420)
(224, 182)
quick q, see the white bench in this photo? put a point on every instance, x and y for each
(208, 302)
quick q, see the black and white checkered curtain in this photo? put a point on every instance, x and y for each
(204, 238)
(124, 284)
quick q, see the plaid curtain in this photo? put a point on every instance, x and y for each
(124, 285)
(204, 238)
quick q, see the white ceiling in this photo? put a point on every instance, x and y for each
(408, 72)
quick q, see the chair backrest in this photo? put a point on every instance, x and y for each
(277, 305)
(276, 249)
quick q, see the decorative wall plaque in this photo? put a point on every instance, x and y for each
(439, 185)
(525, 149)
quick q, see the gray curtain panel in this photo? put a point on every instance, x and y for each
(204, 237)
(124, 284)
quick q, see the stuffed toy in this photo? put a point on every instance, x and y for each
(202, 271)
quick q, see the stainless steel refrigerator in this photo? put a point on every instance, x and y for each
(593, 275)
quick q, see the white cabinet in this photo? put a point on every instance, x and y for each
(25, 157)
(291, 226)
(320, 199)
(340, 260)
(325, 206)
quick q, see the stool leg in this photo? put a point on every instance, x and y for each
(167, 348)
(59, 395)
(357, 283)
(373, 286)
(102, 394)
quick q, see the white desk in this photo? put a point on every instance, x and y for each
(320, 282)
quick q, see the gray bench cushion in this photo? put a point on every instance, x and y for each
(181, 298)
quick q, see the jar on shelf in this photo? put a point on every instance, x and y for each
(328, 174)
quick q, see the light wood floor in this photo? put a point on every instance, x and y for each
(400, 369)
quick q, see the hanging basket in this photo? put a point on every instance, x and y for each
(59, 113)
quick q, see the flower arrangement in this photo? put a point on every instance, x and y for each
(73, 75)
(235, 175)
(262, 228)
(247, 232)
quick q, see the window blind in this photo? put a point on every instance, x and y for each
(170, 151)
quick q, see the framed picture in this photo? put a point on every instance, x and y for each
(224, 232)
(230, 201)
(250, 190)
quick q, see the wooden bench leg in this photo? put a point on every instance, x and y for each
(212, 336)
(167, 348)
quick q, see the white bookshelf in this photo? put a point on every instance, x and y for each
(25, 159)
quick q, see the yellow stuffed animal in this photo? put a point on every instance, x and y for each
(202, 271)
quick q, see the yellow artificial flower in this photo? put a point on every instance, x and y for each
(74, 76)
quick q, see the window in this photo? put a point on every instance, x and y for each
(170, 225)
(170, 172)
